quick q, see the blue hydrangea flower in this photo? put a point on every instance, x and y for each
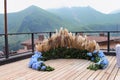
(95, 52)
(92, 59)
(32, 60)
(38, 64)
(43, 67)
(30, 64)
(34, 63)
(104, 62)
(34, 66)
(104, 66)
(37, 54)
(89, 54)
(101, 54)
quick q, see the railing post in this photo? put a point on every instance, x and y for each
(32, 40)
(50, 34)
(6, 50)
(5, 29)
(108, 44)
(76, 33)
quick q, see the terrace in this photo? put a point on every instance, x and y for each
(14, 63)
(65, 69)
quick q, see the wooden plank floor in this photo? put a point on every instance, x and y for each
(65, 69)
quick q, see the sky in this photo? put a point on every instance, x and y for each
(104, 6)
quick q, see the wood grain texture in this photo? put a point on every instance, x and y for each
(65, 69)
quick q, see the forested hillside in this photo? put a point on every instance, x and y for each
(35, 19)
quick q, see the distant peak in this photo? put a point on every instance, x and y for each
(33, 6)
(78, 7)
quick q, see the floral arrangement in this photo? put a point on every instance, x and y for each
(100, 60)
(64, 44)
(36, 62)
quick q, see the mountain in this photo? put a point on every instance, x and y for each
(32, 19)
(1, 23)
(40, 20)
(88, 18)
(35, 19)
(14, 20)
(82, 15)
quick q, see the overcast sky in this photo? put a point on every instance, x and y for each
(104, 6)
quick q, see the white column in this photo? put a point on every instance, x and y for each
(118, 55)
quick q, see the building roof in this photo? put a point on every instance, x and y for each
(38, 40)
(98, 39)
(22, 50)
(102, 38)
(29, 42)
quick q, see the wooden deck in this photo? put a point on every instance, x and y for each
(65, 69)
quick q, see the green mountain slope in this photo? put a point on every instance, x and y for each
(83, 15)
(40, 20)
(14, 20)
(1, 23)
(88, 18)
(35, 19)
(32, 19)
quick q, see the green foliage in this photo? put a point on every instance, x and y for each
(94, 67)
(73, 53)
(96, 58)
(48, 68)
(66, 53)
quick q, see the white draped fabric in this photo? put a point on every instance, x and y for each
(118, 54)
